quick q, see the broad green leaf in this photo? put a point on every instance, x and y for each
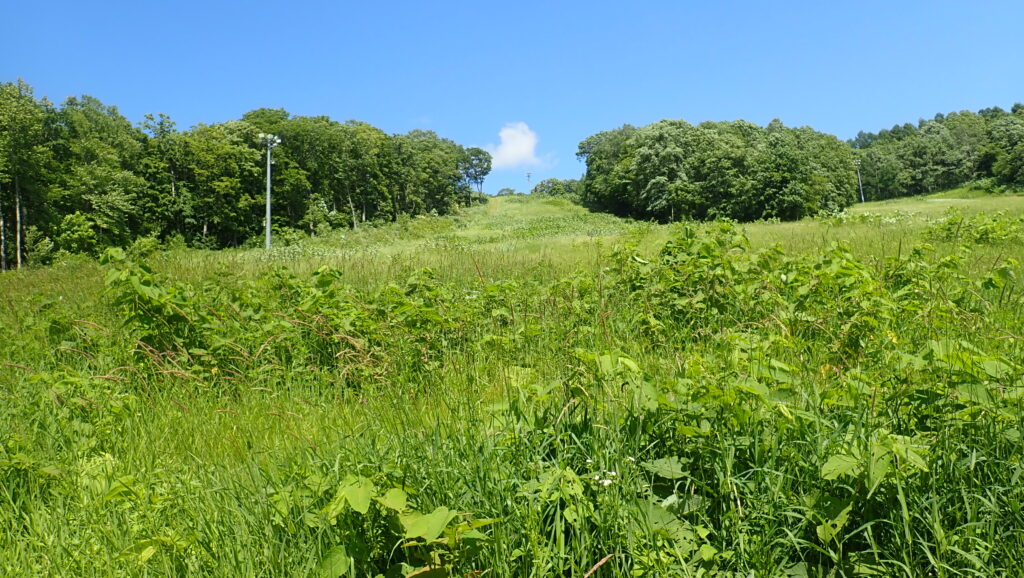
(707, 552)
(143, 550)
(831, 529)
(995, 369)
(1016, 391)
(427, 526)
(669, 468)
(658, 517)
(473, 535)
(394, 499)
(358, 492)
(629, 364)
(335, 563)
(121, 488)
(914, 459)
(798, 570)
(147, 553)
(660, 520)
(282, 501)
(428, 572)
(941, 348)
(976, 392)
(881, 462)
(685, 504)
(313, 520)
(870, 569)
(471, 525)
(751, 385)
(571, 515)
(781, 372)
(838, 465)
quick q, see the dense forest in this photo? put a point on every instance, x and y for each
(948, 151)
(79, 177)
(672, 170)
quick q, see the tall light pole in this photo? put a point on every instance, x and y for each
(860, 185)
(271, 141)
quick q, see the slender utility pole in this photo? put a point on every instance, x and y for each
(271, 142)
(860, 185)
(267, 219)
(528, 175)
(3, 238)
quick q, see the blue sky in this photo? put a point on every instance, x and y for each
(526, 79)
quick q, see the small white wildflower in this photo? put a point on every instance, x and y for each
(612, 474)
(606, 483)
(630, 459)
(590, 461)
(597, 477)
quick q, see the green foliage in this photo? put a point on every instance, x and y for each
(476, 166)
(23, 163)
(980, 228)
(556, 188)
(496, 393)
(77, 234)
(943, 153)
(671, 170)
(84, 161)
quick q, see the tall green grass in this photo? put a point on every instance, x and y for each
(553, 393)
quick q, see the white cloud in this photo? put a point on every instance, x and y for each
(518, 147)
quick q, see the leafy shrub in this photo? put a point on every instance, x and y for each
(979, 229)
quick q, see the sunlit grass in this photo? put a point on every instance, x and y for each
(564, 356)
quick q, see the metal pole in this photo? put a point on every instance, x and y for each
(3, 238)
(860, 185)
(269, 139)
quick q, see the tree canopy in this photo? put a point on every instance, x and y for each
(80, 176)
(947, 151)
(672, 170)
(556, 188)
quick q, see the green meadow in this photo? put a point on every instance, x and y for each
(527, 389)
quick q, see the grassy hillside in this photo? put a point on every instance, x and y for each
(527, 389)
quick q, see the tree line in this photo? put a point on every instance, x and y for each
(672, 170)
(951, 150)
(80, 177)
